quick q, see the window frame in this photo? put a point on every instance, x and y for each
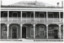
(27, 16)
(40, 13)
(3, 15)
(53, 14)
(11, 14)
(61, 14)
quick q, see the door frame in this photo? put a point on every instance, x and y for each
(22, 31)
(18, 30)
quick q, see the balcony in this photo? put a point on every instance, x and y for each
(62, 20)
(40, 20)
(51, 20)
(27, 20)
(4, 19)
(14, 19)
(32, 20)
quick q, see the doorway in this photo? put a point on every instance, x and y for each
(27, 31)
(56, 34)
(23, 32)
(14, 31)
(53, 31)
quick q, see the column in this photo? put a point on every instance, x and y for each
(0, 24)
(47, 16)
(0, 30)
(59, 17)
(47, 23)
(34, 30)
(21, 16)
(47, 30)
(8, 16)
(20, 31)
(59, 31)
(21, 27)
(8, 25)
(7, 31)
(34, 24)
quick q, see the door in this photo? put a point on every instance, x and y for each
(23, 32)
(14, 32)
(56, 34)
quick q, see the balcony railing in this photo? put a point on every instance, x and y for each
(4, 19)
(29, 20)
(14, 19)
(53, 19)
(32, 19)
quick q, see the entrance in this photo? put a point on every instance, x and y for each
(14, 31)
(27, 31)
(23, 32)
(53, 31)
(56, 34)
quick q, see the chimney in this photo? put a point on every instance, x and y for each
(62, 3)
(1, 2)
(57, 4)
(35, 2)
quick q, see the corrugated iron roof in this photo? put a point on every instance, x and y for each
(30, 5)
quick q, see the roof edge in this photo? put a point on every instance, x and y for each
(4, 6)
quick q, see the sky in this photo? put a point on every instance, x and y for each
(52, 2)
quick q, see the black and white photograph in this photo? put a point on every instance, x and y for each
(31, 20)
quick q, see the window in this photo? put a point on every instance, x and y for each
(14, 14)
(61, 14)
(40, 14)
(53, 14)
(53, 31)
(40, 31)
(3, 13)
(27, 14)
(3, 31)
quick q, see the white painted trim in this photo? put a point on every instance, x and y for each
(33, 9)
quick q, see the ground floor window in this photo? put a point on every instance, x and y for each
(3, 31)
(29, 31)
(40, 31)
(53, 31)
